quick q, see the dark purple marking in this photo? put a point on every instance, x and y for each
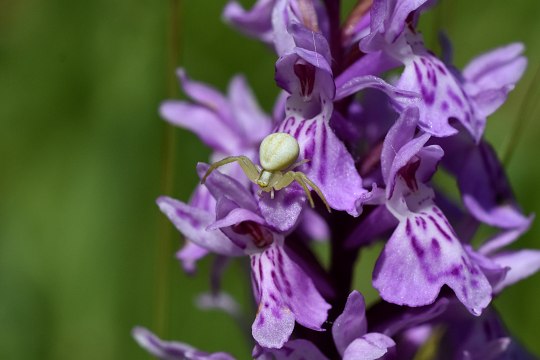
(474, 283)
(441, 69)
(189, 217)
(408, 228)
(424, 223)
(311, 128)
(299, 129)
(309, 149)
(429, 96)
(280, 258)
(444, 106)
(438, 226)
(276, 313)
(456, 271)
(464, 291)
(261, 320)
(424, 61)
(322, 169)
(275, 280)
(273, 297)
(260, 271)
(266, 304)
(454, 97)
(435, 247)
(418, 72)
(417, 248)
(433, 78)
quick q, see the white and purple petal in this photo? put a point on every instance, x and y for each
(331, 167)
(368, 347)
(192, 223)
(172, 350)
(256, 22)
(284, 295)
(351, 323)
(205, 123)
(424, 254)
(252, 122)
(490, 76)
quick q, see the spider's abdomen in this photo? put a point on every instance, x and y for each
(278, 151)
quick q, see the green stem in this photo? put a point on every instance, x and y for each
(528, 105)
(164, 240)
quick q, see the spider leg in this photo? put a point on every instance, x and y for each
(314, 187)
(303, 184)
(299, 163)
(247, 166)
(288, 178)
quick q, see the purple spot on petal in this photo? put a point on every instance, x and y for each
(276, 313)
(435, 247)
(441, 69)
(454, 97)
(299, 129)
(429, 96)
(261, 276)
(261, 320)
(418, 72)
(456, 271)
(443, 233)
(444, 106)
(417, 248)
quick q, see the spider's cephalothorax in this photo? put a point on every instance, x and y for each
(278, 152)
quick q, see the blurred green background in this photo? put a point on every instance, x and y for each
(82, 244)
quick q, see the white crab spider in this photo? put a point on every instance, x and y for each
(278, 152)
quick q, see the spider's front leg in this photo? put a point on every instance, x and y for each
(288, 178)
(245, 163)
(299, 175)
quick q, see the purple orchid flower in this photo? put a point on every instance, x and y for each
(238, 126)
(304, 71)
(283, 291)
(469, 97)
(423, 253)
(349, 333)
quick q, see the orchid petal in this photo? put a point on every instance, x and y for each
(199, 120)
(331, 166)
(282, 212)
(284, 294)
(424, 254)
(522, 264)
(192, 223)
(368, 347)
(253, 123)
(351, 324)
(256, 22)
(170, 350)
(221, 185)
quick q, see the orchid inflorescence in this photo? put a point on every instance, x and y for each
(371, 159)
